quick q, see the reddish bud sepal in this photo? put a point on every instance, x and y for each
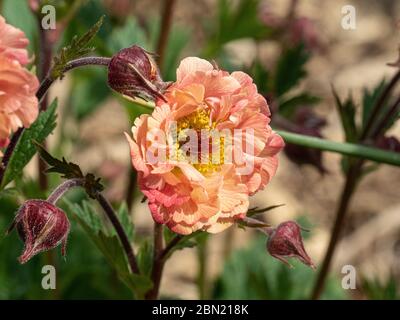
(388, 143)
(133, 73)
(285, 241)
(42, 226)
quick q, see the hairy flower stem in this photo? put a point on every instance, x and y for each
(45, 57)
(170, 246)
(109, 211)
(44, 87)
(63, 188)
(202, 279)
(165, 28)
(352, 178)
(160, 256)
(158, 262)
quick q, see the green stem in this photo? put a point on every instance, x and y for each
(349, 189)
(349, 149)
(202, 280)
(165, 28)
(158, 262)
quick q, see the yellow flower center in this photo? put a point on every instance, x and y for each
(200, 122)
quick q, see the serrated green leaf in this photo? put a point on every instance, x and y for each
(68, 170)
(235, 20)
(347, 113)
(145, 257)
(108, 243)
(126, 222)
(370, 98)
(76, 49)
(290, 69)
(25, 149)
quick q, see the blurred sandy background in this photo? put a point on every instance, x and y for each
(350, 60)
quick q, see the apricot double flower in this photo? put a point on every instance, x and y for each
(204, 195)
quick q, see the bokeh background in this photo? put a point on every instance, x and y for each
(90, 132)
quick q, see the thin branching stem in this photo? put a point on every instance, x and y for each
(158, 262)
(165, 28)
(378, 106)
(353, 175)
(352, 178)
(63, 188)
(170, 246)
(110, 213)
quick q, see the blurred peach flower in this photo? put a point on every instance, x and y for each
(18, 103)
(206, 195)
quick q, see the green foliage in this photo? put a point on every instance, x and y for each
(290, 69)
(370, 97)
(83, 274)
(145, 257)
(378, 290)
(235, 22)
(178, 39)
(25, 149)
(189, 241)
(68, 170)
(261, 77)
(127, 35)
(85, 83)
(252, 274)
(107, 242)
(71, 170)
(76, 49)
(347, 111)
(288, 106)
(126, 222)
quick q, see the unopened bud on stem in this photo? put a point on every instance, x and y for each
(285, 241)
(42, 226)
(133, 73)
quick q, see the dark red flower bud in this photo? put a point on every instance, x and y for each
(308, 123)
(285, 241)
(133, 73)
(388, 143)
(42, 226)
